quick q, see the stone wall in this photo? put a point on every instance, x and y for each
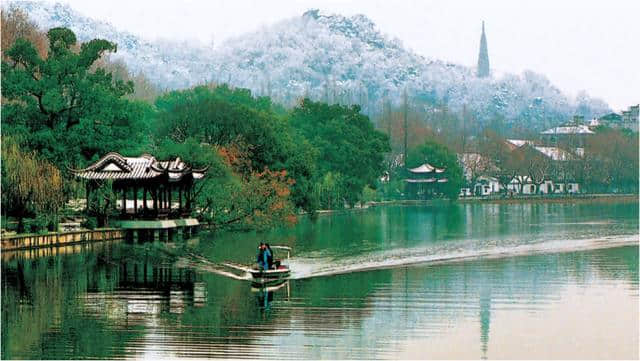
(61, 238)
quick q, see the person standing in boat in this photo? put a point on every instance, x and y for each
(260, 258)
(269, 256)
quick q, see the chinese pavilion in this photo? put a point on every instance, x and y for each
(425, 181)
(148, 188)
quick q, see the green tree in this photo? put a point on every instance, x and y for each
(221, 116)
(348, 146)
(65, 109)
(102, 203)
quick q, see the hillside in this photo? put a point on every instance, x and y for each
(333, 58)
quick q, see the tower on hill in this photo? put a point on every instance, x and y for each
(483, 57)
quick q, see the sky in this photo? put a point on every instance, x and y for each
(579, 45)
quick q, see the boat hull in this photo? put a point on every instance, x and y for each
(270, 276)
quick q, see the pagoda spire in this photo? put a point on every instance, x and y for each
(483, 57)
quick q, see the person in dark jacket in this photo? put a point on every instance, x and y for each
(261, 257)
(269, 256)
(266, 257)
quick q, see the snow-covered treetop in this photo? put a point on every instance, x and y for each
(332, 58)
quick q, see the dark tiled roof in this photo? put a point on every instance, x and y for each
(115, 166)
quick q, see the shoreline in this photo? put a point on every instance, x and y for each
(583, 198)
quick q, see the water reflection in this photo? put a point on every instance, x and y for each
(265, 293)
(121, 301)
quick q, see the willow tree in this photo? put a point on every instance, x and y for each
(30, 186)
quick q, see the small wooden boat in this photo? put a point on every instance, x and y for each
(279, 273)
(271, 275)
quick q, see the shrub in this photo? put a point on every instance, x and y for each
(90, 223)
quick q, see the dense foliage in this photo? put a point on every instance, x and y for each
(350, 150)
(62, 109)
(272, 162)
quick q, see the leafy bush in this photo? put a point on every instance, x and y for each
(40, 224)
(90, 223)
(369, 194)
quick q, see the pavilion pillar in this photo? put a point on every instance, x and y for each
(144, 198)
(155, 199)
(135, 200)
(124, 200)
(180, 198)
(169, 197)
(164, 197)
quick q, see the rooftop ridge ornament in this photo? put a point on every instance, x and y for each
(103, 162)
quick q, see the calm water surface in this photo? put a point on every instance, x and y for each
(444, 281)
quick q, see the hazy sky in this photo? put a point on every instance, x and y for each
(578, 45)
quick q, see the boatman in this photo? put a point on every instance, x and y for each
(266, 257)
(260, 257)
(269, 256)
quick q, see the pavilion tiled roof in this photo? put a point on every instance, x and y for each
(115, 166)
(426, 168)
(427, 180)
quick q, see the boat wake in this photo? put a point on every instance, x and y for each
(316, 267)
(202, 264)
(319, 266)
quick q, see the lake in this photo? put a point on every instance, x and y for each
(470, 281)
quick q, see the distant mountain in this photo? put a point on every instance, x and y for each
(332, 58)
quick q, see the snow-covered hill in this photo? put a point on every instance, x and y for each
(333, 58)
(169, 65)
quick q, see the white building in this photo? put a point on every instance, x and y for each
(486, 186)
(569, 130)
(465, 192)
(521, 185)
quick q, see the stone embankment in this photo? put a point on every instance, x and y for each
(29, 241)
